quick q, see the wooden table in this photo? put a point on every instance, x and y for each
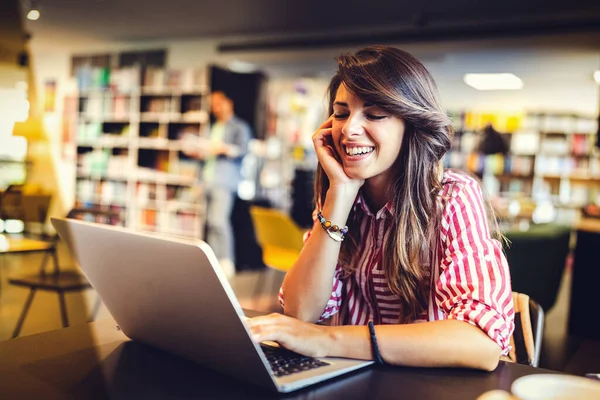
(97, 361)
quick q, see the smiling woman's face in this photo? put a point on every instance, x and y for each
(367, 138)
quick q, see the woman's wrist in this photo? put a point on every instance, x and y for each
(338, 203)
(349, 187)
(346, 341)
(342, 196)
(330, 343)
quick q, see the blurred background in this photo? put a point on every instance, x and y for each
(95, 96)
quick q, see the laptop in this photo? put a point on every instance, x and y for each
(170, 293)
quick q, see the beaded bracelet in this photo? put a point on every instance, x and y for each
(335, 232)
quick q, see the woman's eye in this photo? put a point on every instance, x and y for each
(376, 117)
(340, 116)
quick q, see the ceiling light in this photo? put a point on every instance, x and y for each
(502, 81)
(34, 10)
(33, 14)
(242, 67)
(597, 76)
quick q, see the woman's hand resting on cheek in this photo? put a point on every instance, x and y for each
(302, 337)
(330, 159)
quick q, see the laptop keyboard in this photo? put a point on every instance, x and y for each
(285, 362)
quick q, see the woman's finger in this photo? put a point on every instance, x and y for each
(321, 133)
(273, 318)
(328, 123)
(263, 333)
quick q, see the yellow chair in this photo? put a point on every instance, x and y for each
(280, 239)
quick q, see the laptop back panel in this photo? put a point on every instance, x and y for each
(165, 292)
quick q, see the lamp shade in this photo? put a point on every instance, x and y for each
(32, 130)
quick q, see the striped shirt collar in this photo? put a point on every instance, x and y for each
(387, 210)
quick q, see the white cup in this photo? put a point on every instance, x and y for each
(555, 386)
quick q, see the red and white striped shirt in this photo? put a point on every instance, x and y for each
(469, 278)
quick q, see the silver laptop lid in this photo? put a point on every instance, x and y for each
(159, 291)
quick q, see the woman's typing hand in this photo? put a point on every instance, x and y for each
(302, 337)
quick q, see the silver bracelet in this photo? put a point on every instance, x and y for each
(335, 236)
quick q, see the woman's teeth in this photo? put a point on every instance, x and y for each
(353, 151)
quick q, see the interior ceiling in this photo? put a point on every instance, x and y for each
(161, 19)
(12, 35)
(564, 53)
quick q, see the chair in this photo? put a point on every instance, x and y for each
(526, 341)
(61, 282)
(11, 207)
(58, 281)
(11, 203)
(537, 259)
(280, 238)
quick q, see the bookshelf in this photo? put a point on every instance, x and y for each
(129, 122)
(551, 156)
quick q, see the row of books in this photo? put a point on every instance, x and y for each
(180, 223)
(513, 122)
(185, 80)
(568, 166)
(103, 163)
(116, 217)
(127, 80)
(524, 166)
(185, 223)
(530, 142)
(118, 107)
(100, 106)
(101, 192)
(160, 105)
(92, 131)
(184, 194)
(496, 164)
(120, 80)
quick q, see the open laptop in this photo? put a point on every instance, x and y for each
(170, 293)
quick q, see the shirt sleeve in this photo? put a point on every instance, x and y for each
(335, 300)
(474, 280)
(238, 147)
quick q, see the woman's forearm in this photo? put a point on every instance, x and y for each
(447, 343)
(307, 286)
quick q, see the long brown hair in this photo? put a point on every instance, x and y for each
(399, 84)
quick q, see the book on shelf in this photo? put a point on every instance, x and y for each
(184, 80)
(148, 217)
(173, 78)
(153, 78)
(125, 80)
(121, 106)
(184, 223)
(92, 78)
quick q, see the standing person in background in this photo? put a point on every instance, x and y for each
(222, 154)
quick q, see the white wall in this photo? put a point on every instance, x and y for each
(554, 81)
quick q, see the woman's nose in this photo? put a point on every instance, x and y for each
(352, 127)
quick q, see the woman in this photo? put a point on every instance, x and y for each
(417, 247)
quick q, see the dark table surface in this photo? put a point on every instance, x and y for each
(97, 361)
